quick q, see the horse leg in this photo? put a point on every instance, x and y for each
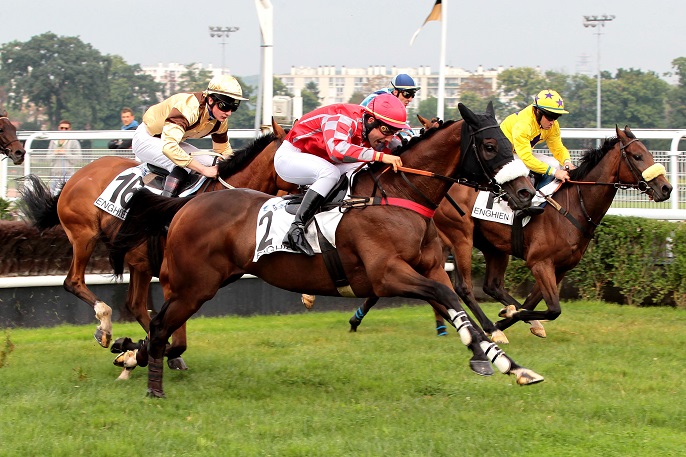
(546, 281)
(464, 288)
(356, 320)
(82, 246)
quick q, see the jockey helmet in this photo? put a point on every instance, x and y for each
(403, 81)
(388, 110)
(225, 87)
(550, 101)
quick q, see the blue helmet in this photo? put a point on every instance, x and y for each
(403, 81)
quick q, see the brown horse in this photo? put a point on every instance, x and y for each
(552, 243)
(84, 223)
(385, 250)
(9, 144)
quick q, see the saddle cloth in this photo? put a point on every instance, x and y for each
(273, 223)
(489, 208)
(115, 196)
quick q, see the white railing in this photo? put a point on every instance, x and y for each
(627, 202)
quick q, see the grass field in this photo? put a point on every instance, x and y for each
(301, 385)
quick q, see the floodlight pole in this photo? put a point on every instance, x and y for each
(223, 34)
(598, 22)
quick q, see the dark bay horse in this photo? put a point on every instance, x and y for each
(9, 144)
(84, 223)
(553, 244)
(386, 250)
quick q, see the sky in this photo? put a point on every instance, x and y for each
(645, 35)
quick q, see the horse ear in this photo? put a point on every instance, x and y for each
(278, 130)
(424, 121)
(489, 109)
(467, 114)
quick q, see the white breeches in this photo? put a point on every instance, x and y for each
(301, 168)
(148, 149)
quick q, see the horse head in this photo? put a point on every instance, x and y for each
(487, 151)
(9, 144)
(641, 167)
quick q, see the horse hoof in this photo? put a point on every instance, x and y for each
(103, 338)
(155, 393)
(120, 345)
(126, 360)
(481, 367)
(498, 337)
(308, 300)
(526, 377)
(508, 312)
(177, 364)
(125, 374)
(354, 323)
(537, 329)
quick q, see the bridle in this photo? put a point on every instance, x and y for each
(5, 148)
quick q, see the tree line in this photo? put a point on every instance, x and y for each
(50, 77)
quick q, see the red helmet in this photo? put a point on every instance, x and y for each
(389, 110)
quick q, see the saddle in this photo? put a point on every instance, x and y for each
(332, 199)
(155, 179)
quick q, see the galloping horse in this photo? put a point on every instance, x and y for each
(9, 144)
(84, 223)
(553, 244)
(385, 250)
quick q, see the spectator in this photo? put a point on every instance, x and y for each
(65, 157)
(129, 122)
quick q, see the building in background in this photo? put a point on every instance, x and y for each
(337, 85)
(170, 74)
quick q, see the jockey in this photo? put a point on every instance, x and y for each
(535, 123)
(403, 87)
(329, 141)
(160, 137)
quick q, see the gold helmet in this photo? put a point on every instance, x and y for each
(225, 86)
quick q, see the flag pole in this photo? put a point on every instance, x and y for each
(441, 65)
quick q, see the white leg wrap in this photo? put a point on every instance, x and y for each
(496, 356)
(461, 323)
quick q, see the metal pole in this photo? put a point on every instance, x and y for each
(597, 22)
(222, 33)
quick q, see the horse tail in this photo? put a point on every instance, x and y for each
(147, 220)
(38, 204)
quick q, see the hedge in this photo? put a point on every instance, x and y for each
(643, 259)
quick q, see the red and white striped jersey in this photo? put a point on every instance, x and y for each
(334, 133)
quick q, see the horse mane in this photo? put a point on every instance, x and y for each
(591, 158)
(418, 139)
(242, 157)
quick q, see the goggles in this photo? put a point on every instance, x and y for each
(386, 130)
(408, 93)
(227, 106)
(550, 116)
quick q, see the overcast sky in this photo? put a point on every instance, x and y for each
(358, 33)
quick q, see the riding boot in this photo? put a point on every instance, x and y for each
(295, 238)
(172, 182)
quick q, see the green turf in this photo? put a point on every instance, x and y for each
(301, 385)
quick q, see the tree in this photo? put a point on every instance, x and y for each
(635, 98)
(676, 109)
(194, 79)
(280, 88)
(310, 95)
(244, 117)
(357, 97)
(519, 85)
(50, 72)
(130, 88)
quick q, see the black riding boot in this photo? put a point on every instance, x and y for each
(295, 238)
(172, 182)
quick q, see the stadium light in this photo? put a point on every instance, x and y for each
(598, 22)
(223, 34)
